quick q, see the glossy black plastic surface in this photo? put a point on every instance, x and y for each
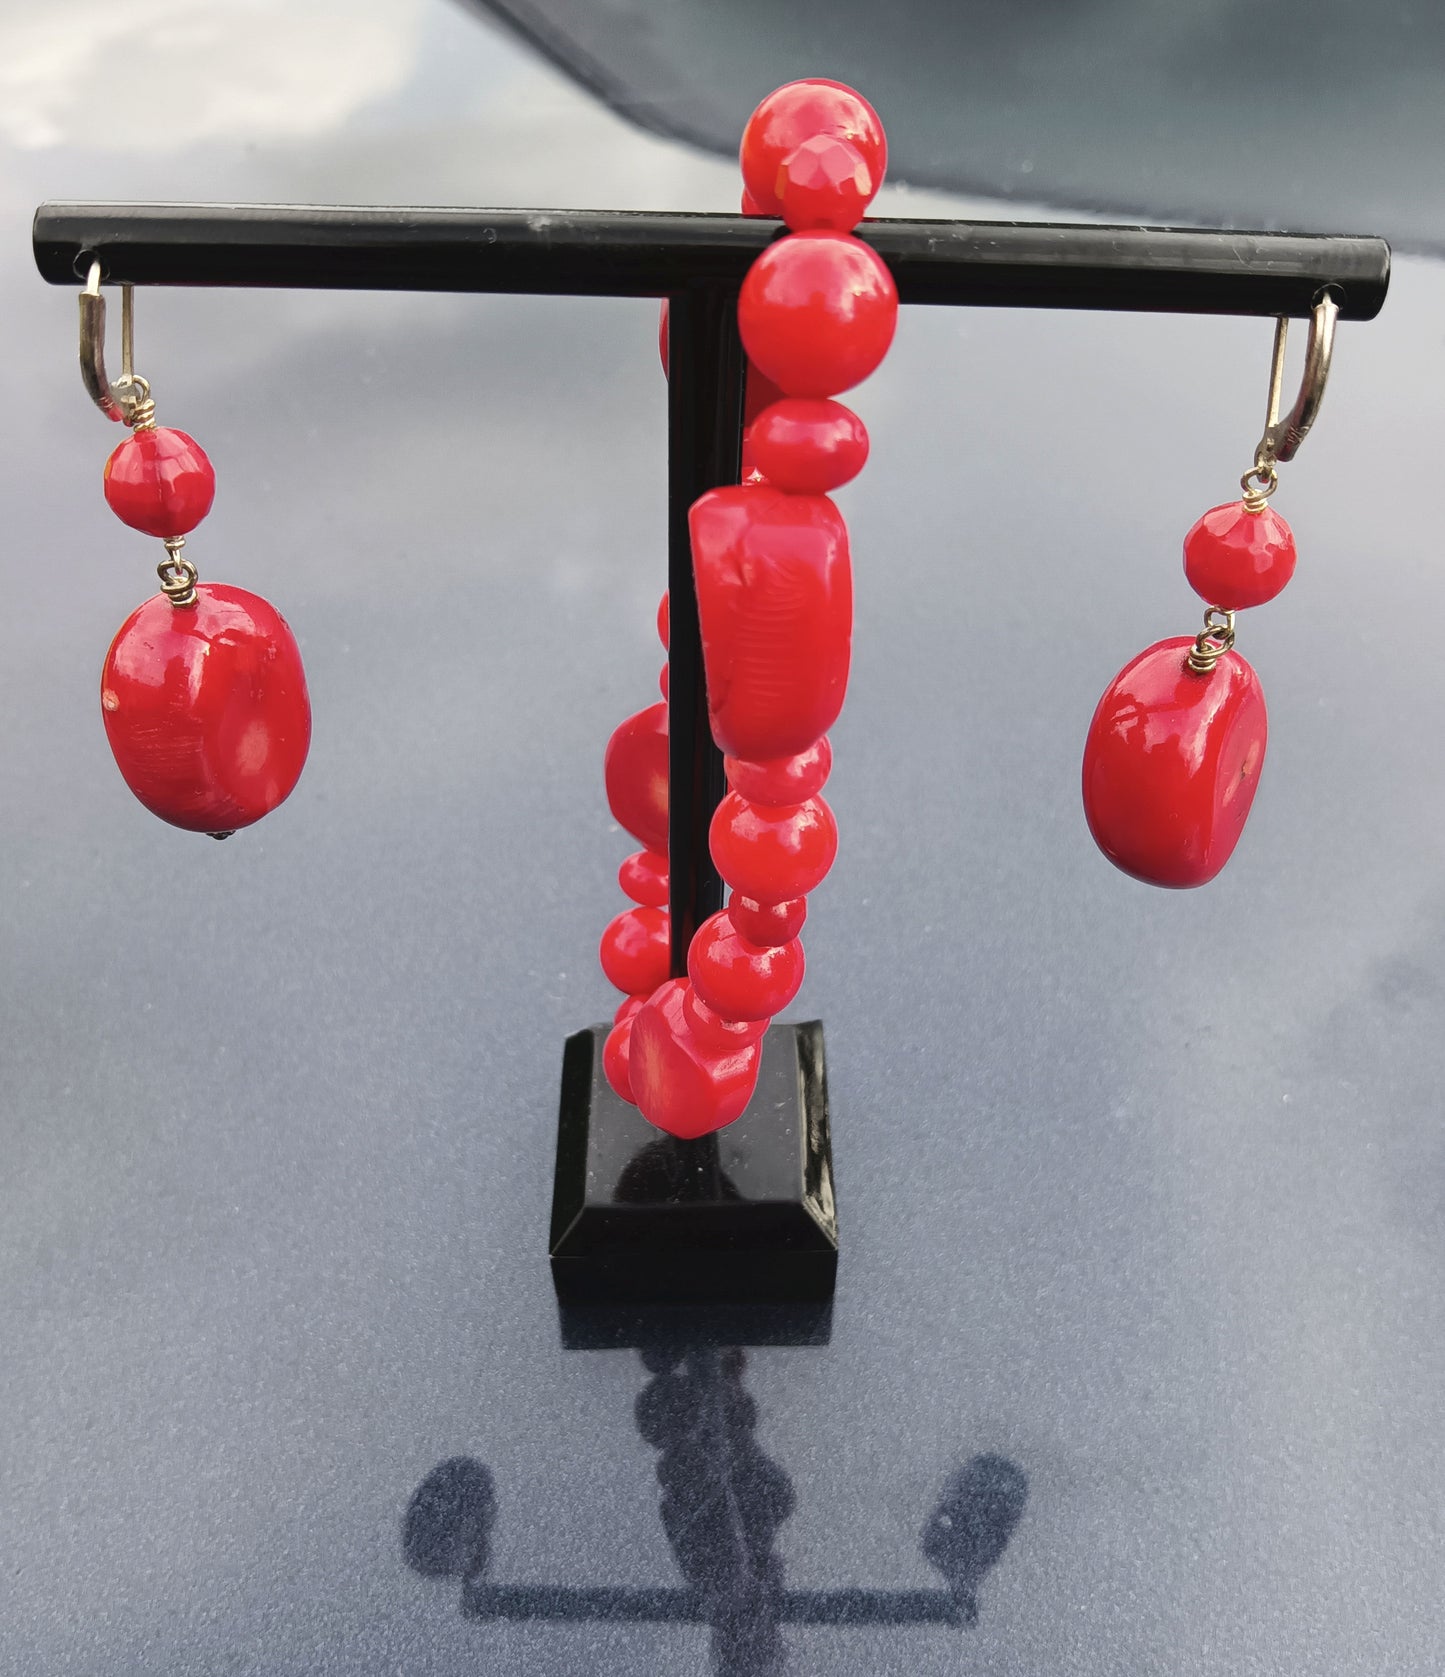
(605, 254)
(746, 1215)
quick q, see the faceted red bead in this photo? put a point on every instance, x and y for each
(617, 1057)
(160, 481)
(807, 446)
(635, 771)
(643, 876)
(782, 780)
(1235, 558)
(775, 606)
(738, 979)
(817, 312)
(824, 182)
(634, 950)
(806, 110)
(771, 854)
(768, 924)
(205, 708)
(681, 1084)
(713, 1031)
(1172, 762)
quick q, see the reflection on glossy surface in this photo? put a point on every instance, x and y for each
(796, 112)
(1171, 764)
(206, 709)
(723, 1503)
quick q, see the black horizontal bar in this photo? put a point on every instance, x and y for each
(671, 1605)
(645, 254)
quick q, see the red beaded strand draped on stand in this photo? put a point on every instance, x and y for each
(816, 314)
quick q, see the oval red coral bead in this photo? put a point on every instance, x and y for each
(1235, 558)
(205, 708)
(1171, 764)
(806, 446)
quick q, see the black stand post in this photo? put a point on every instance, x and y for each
(745, 1216)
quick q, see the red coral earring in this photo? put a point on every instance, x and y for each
(202, 693)
(1175, 749)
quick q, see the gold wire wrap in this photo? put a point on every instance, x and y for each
(1213, 641)
(178, 575)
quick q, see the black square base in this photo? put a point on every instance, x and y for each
(745, 1216)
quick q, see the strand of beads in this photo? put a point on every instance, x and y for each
(816, 314)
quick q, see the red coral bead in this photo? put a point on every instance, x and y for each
(626, 1008)
(771, 854)
(681, 1084)
(806, 110)
(643, 877)
(738, 979)
(634, 950)
(817, 312)
(825, 182)
(808, 447)
(205, 708)
(768, 924)
(617, 1056)
(713, 1031)
(635, 770)
(160, 481)
(664, 620)
(663, 342)
(782, 780)
(775, 607)
(1235, 558)
(1172, 762)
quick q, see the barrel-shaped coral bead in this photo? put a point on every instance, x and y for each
(768, 924)
(738, 979)
(817, 312)
(782, 780)
(799, 112)
(807, 445)
(772, 854)
(643, 877)
(159, 481)
(1235, 558)
(634, 950)
(825, 182)
(680, 1083)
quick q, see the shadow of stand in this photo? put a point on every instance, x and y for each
(722, 1504)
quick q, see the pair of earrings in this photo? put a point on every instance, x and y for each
(202, 692)
(1174, 752)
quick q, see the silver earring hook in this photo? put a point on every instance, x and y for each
(1282, 437)
(119, 400)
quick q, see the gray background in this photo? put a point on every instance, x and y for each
(1140, 1191)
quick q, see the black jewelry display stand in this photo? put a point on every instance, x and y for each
(747, 1215)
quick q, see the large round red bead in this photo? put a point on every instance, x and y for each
(771, 854)
(159, 481)
(817, 312)
(738, 979)
(635, 770)
(801, 111)
(1235, 558)
(680, 1083)
(1172, 762)
(205, 708)
(634, 950)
